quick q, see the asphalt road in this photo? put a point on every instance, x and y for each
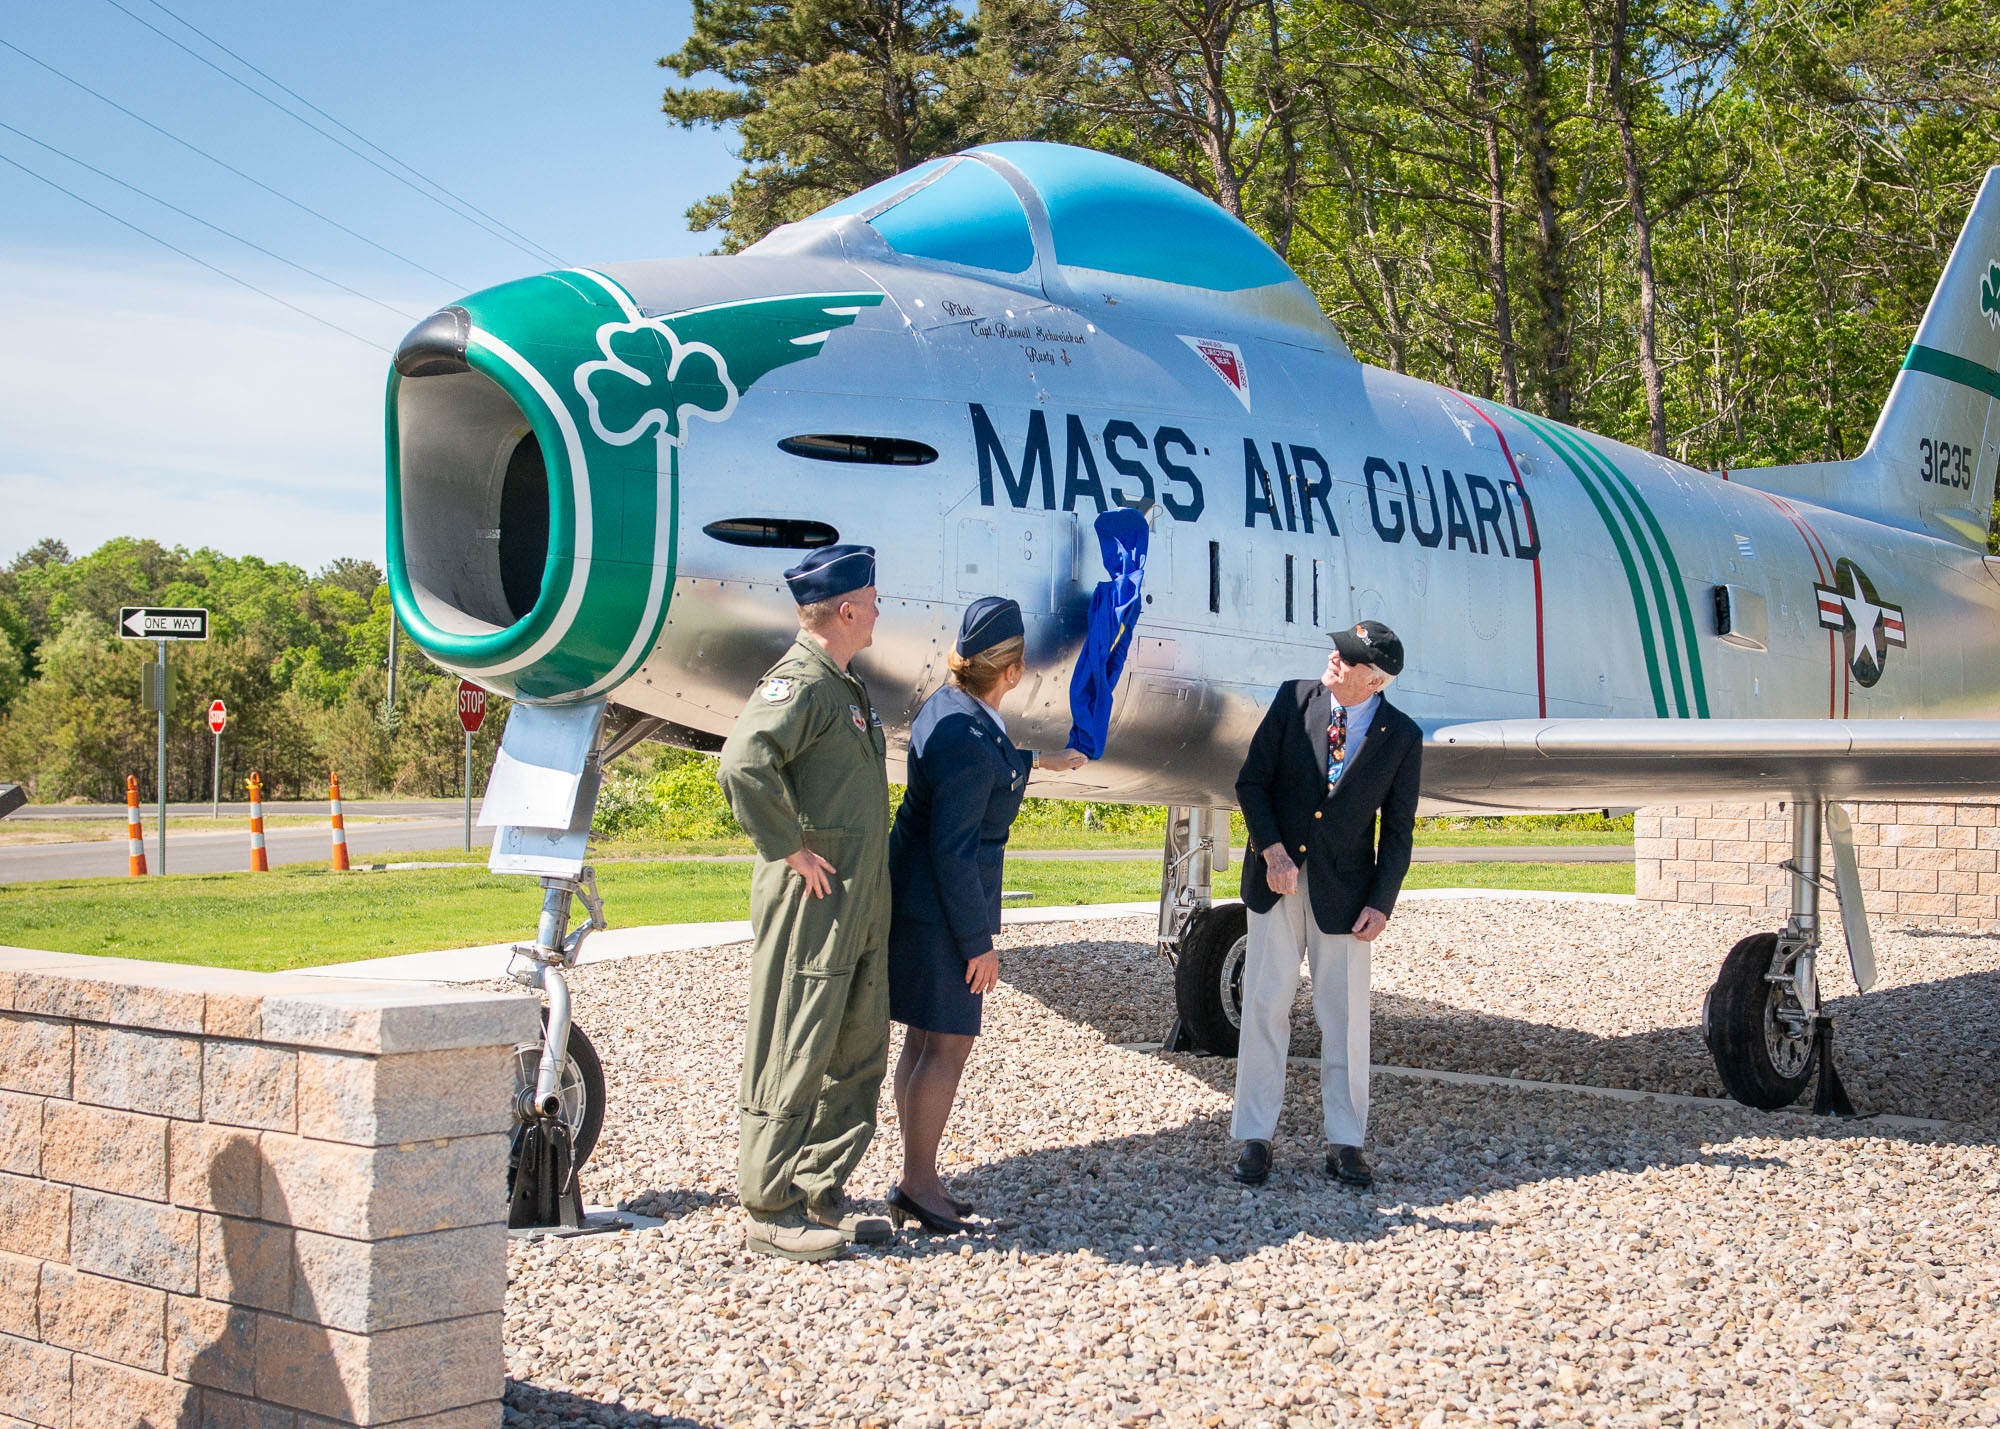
(240, 811)
(227, 851)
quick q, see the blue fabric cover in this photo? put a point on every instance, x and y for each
(1114, 611)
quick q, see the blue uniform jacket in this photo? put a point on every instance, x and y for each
(966, 783)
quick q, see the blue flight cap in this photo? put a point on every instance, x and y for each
(831, 571)
(988, 621)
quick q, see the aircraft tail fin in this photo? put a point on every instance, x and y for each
(1930, 464)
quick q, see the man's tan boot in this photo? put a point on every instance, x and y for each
(837, 1213)
(792, 1238)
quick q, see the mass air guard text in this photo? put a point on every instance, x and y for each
(1286, 485)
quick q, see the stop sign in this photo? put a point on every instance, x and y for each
(218, 716)
(471, 706)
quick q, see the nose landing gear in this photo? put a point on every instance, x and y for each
(558, 1082)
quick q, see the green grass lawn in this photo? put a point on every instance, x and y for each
(306, 917)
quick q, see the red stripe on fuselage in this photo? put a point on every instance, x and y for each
(1813, 549)
(1541, 662)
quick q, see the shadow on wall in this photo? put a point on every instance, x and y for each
(265, 1344)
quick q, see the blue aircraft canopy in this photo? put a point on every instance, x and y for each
(952, 210)
(1116, 216)
(1104, 213)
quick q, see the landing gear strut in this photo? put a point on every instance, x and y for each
(1763, 1019)
(1203, 942)
(558, 1082)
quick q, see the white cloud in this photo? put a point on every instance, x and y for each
(139, 399)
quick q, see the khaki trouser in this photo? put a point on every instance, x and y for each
(1340, 970)
(817, 1043)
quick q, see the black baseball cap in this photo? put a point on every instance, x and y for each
(1371, 643)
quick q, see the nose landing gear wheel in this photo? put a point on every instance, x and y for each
(1764, 1058)
(581, 1089)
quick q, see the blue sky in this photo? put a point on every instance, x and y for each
(143, 395)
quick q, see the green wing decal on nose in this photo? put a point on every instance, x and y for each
(595, 376)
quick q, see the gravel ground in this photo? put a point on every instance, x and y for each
(1527, 1257)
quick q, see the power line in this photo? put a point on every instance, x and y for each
(485, 225)
(216, 227)
(221, 272)
(346, 129)
(224, 164)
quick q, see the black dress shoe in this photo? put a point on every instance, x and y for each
(1345, 1164)
(1254, 1164)
(903, 1207)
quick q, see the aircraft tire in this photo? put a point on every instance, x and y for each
(1208, 977)
(582, 1092)
(1758, 1064)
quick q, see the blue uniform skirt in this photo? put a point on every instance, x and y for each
(927, 988)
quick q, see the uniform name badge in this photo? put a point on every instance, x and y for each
(776, 690)
(860, 720)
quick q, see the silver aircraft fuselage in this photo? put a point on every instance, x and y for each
(1532, 571)
(701, 421)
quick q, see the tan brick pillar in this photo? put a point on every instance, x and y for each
(238, 1198)
(1933, 865)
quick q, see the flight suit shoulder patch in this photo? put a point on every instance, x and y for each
(778, 689)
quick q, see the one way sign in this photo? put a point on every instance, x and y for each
(153, 622)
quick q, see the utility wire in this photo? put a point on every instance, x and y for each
(215, 227)
(224, 164)
(485, 225)
(348, 130)
(221, 272)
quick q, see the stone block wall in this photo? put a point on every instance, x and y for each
(1937, 865)
(240, 1199)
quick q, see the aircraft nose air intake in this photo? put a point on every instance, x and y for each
(526, 551)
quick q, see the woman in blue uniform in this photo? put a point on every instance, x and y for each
(966, 783)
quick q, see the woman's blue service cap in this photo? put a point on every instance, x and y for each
(988, 621)
(831, 571)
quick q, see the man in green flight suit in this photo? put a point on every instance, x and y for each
(804, 770)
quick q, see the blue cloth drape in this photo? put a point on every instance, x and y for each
(1114, 611)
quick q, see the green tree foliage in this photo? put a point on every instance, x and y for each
(829, 96)
(300, 661)
(1704, 228)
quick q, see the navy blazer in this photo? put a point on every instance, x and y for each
(1332, 836)
(966, 783)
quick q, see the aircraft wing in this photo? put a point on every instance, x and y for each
(1561, 764)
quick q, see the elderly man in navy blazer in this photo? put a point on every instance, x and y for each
(1320, 884)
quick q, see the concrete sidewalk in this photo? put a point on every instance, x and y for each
(482, 964)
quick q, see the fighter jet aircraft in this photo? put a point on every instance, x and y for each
(595, 477)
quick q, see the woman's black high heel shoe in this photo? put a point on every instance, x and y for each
(904, 1207)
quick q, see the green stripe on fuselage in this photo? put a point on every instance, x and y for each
(1546, 431)
(1616, 475)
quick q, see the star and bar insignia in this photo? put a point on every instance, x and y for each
(1870, 624)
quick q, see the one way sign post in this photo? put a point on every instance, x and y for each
(162, 624)
(159, 622)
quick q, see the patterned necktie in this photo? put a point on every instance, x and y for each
(1336, 745)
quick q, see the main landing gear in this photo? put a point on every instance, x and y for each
(1203, 942)
(1763, 1019)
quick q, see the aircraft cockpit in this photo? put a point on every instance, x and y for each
(1089, 229)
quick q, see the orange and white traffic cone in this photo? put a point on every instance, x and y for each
(135, 837)
(339, 828)
(260, 862)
